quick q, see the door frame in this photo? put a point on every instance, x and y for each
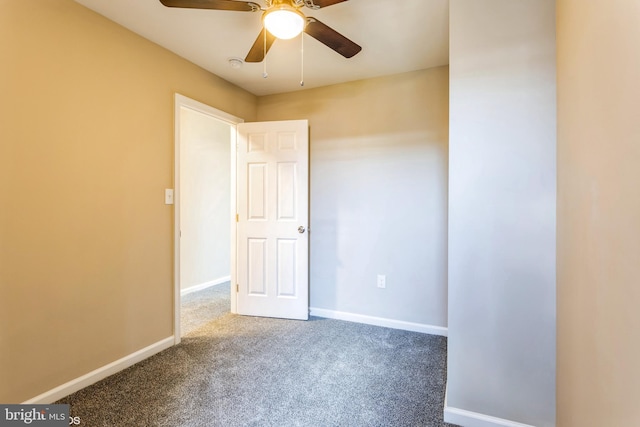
(181, 101)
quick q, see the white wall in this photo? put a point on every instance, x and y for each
(502, 201)
(205, 182)
(378, 194)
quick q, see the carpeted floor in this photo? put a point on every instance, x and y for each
(247, 371)
(200, 308)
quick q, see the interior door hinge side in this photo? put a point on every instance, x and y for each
(237, 287)
(237, 218)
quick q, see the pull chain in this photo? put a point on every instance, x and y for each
(264, 71)
(302, 58)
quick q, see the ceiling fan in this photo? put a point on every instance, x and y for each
(281, 19)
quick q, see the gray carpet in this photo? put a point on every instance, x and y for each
(246, 371)
(200, 308)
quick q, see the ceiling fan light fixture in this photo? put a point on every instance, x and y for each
(284, 22)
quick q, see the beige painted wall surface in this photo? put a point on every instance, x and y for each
(86, 150)
(598, 381)
(378, 193)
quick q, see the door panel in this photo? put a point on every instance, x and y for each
(257, 266)
(257, 189)
(273, 203)
(286, 267)
(287, 189)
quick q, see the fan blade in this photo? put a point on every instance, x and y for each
(257, 52)
(331, 38)
(238, 6)
(325, 3)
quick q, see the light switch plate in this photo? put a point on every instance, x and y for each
(168, 196)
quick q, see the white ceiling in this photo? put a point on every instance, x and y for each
(396, 36)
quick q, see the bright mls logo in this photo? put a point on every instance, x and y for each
(34, 415)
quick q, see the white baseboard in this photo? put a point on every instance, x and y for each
(204, 285)
(466, 418)
(379, 321)
(100, 373)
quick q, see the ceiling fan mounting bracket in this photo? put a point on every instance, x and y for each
(310, 4)
(294, 3)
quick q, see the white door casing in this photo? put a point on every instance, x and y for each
(182, 102)
(273, 219)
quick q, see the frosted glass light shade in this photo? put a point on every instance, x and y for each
(284, 23)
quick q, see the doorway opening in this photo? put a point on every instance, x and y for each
(204, 214)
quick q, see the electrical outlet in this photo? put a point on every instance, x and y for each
(382, 281)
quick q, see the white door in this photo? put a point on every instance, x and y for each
(273, 219)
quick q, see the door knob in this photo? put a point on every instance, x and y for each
(301, 229)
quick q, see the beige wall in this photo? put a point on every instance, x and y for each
(86, 149)
(598, 380)
(378, 193)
